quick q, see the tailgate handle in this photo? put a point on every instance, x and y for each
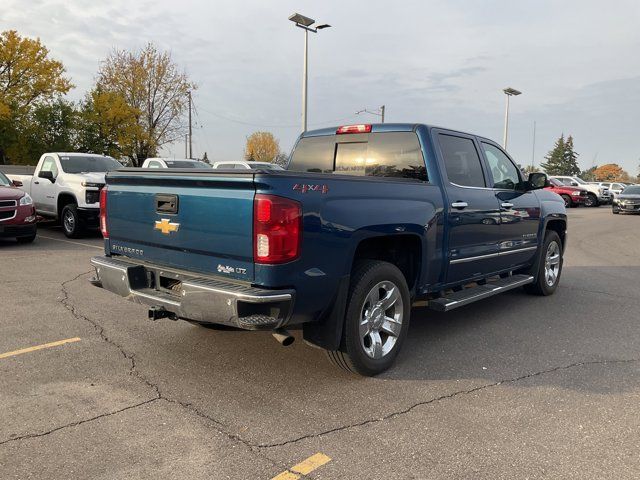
(166, 203)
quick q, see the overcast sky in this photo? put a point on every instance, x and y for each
(440, 62)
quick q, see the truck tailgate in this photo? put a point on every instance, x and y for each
(197, 221)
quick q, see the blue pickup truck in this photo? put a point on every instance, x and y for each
(365, 220)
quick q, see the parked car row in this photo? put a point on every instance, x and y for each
(596, 195)
(66, 187)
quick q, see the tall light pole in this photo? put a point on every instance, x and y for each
(379, 113)
(509, 92)
(306, 24)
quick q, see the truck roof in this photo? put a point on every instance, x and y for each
(385, 127)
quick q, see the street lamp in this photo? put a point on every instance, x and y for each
(379, 113)
(509, 92)
(306, 24)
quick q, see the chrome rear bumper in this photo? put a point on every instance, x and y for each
(178, 294)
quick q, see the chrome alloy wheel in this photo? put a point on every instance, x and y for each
(381, 319)
(69, 221)
(552, 264)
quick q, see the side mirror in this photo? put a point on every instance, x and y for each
(47, 174)
(17, 183)
(575, 184)
(537, 180)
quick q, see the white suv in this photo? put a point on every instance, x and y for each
(596, 195)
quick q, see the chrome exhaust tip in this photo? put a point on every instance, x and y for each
(283, 337)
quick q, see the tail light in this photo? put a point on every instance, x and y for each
(277, 229)
(103, 212)
(362, 128)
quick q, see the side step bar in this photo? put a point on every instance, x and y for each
(473, 294)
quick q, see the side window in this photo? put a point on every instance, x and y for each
(504, 172)
(49, 165)
(461, 160)
(154, 164)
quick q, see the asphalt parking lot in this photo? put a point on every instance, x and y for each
(512, 387)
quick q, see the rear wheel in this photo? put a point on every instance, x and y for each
(549, 266)
(591, 200)
(376, 321)
(71, 223)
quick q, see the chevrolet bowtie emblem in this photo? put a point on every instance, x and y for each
(166, 226)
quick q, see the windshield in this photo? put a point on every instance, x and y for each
(4, 181)
(579, 180)
(632, 190)
(82, 164)
(186, 164)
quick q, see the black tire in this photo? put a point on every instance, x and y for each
(615, 210)
(70, 220)
(28, 239)
(591, 201)
(541, 286)
(567, 200)
(352, 355)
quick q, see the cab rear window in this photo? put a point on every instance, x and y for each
(385, 154)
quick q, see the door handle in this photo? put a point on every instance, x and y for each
(506, 205)
(460, 205)
(37, 183)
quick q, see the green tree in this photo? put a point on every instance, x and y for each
(530, 169)
(589, 175)
(562, 159)
(554, 164)
(50, 128)
(570, 158)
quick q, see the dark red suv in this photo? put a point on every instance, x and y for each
(17, 213)
(572, 196)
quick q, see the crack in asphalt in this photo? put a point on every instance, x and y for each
(133, 370)
(257, 448)
(79, 422)
(585, 290)
(445, 397)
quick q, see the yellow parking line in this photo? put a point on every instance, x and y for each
(39, 347)
(304, 468)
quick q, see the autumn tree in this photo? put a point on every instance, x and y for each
(611, 172)
(153, 90)
(107, 125)
(562, 159)
(28, 78)
(261, 147)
